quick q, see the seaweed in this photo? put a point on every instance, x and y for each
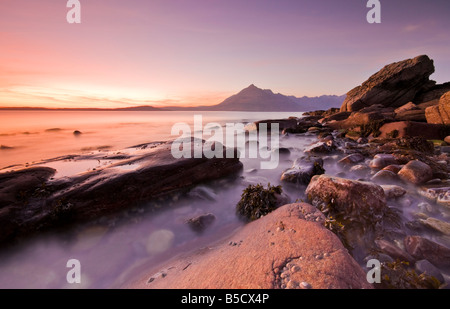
(257, 201)
(399, 275)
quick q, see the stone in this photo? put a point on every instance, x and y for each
(159, 241)
(360, 169)
(447, 139)
(394, 85)
(321, 147)
(407, 107)
(394, 168)
(437, 225)
(351, 159)
(201, 223)
(385, 177)
(425, 267)
(439, 114)
(393, 191)
(353, 198)
(303, 170)
(382, 160)
(412, 128)
(423, 248)
(416, 172)
(394, 251)
(282, 124)
(258, 265)
(77, 133)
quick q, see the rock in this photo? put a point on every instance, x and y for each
(360, 169)
(77, 133)
(438, 195)
(437, 225)
(394, 168)
(385, 177)
(394, 251)
(407, 107)
(382, 160)
(303, 170)
(412, 115)
(159, 241)
(411, 129)
(202, 222)
(433, 93)
(291, 235)
(363, 201)
(439, 114)
(416, 172)
(351, 159)
(447, 139)
(320, 147)
(336, 117)
(362, 140)
(424, 266)
(90, 195)
(422, 248)
(393, 191)
(394, 85)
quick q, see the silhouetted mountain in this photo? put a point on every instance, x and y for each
(255, 99)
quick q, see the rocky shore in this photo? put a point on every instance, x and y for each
(373, 185)
(387, 198)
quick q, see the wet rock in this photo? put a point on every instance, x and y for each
(159, 241)
(363, 201)
(437, 225)
(424, 266)
(201, 223)
(227, 267)
(351, 159)
(394, 251)
(204, 193)
(360, 169)
(77, 133)
(422, 248)
(447, 139)
(282, 124)
(382, 160)
(303, 170)
(439, 195)
(394, 168)
(393, 191)
(91, 195)
(321, 147)
(385, 177)
(416, 172)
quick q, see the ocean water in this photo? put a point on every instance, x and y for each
(114, 250)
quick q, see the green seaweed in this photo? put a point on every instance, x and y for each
(257, 201)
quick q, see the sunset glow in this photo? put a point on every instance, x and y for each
(166, 53)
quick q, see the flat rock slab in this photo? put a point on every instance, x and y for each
(288, 248)
(139, 175)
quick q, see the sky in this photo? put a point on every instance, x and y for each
(199, 52)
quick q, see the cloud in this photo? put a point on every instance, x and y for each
(411, 28)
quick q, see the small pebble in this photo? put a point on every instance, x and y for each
(305, 285)
(295, 268)
(292, 285)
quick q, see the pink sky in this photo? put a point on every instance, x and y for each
(198, 52)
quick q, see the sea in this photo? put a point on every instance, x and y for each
(112, 252)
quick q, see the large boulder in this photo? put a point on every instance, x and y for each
(394, 85)
(439, 114)
(363, 201)
(293, 250)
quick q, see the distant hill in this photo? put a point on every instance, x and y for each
(255, 99)
(251, 99)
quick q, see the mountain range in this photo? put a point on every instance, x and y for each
(252, 99)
